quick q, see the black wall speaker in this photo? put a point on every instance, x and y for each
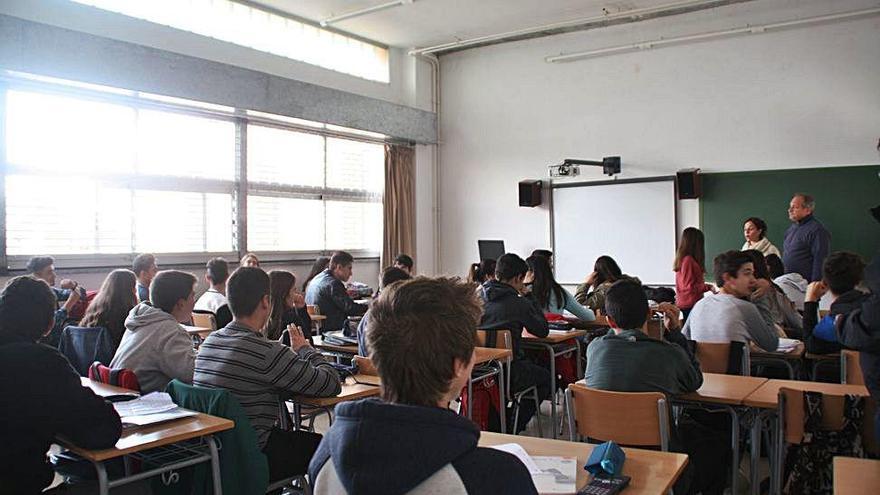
(689, 183)
(529, 193)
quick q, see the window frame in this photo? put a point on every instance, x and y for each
(239, 187)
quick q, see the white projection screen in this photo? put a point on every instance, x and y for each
(631, 221)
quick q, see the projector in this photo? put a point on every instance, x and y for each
(564, 170)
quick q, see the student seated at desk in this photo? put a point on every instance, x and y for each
(145, 268)
(327, 290)
(259, 371)
(591, 293)
(422, 338)
(41, 396)
(728, 316)
(287, 306)
(786, 320)
(114, 302)
(628, 360)
(214, 299)
(841, 273)
(389, 276)
(482, 272)
(154, 346)
(552, 297)
(404, 262)
(43, 268)
(506, 308)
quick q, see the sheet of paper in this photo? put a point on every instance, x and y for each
(152, 403)
(521, 454)
(558, 475)
(149, 419)
(787, 344)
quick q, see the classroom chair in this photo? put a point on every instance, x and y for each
(531, 393)
(365, 365)
(204, 319)
(850, 370)
(118, 377)
(638, 419)
(792, 415)
(82, 346)
(244, 469)
(729, 358)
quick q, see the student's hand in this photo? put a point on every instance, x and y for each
(72, 300)
(299, 301)
(815, 291)
(591, 279)
(67, 284)
(762, 287)
(670, 316)
(297, 339)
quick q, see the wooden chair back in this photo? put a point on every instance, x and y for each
(204, 320)
(313, 309)
(628, 418)
(503, 339)
(850, 370)
(729, 358)
(365, 365)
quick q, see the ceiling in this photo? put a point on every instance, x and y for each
(431, 22)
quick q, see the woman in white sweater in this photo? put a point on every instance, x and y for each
(755, 232)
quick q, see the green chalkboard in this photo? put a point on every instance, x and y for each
(843, 197)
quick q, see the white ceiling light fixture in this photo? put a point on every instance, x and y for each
(368, 10)
(748, 29)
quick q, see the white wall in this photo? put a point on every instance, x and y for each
(798, 98)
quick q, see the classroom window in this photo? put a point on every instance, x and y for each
(91, 172)
(310, 192)
(261, 30)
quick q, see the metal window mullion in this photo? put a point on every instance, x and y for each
(4, 265)
(323, 198)
(241, 187)
(205, 222)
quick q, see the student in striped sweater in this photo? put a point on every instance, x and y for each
(257, 371)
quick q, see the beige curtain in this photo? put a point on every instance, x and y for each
(400, 204)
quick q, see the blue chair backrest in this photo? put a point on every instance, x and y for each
(82, 346)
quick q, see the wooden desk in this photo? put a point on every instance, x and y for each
(724, 389)
(485, 355)
(350, 391)
(344, 350)
(767, 395)
(856, 476)
(726, 392)
(551, 344)
(652, 472)
(786, 358)
(141, 439)
(200, 332)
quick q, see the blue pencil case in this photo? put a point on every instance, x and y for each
(607, 458)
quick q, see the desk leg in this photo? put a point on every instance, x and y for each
(103, 483)
(755, 440)
(552, 354)
(470, 401)
(215, 465)
(297, 415)
(502, 413)
(734, 444)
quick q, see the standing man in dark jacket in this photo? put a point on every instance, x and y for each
(327, 291)
(807, 242)
(506, 308)
(422, 339)
(41, 396)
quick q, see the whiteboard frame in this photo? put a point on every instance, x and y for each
(565, 185)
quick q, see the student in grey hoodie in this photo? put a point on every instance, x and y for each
(154, 344)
